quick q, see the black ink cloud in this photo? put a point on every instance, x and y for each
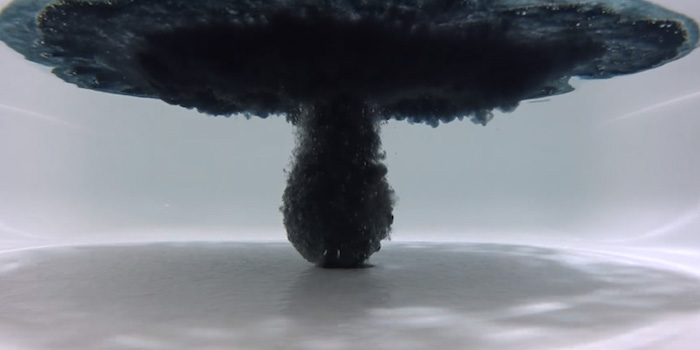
(338, 67)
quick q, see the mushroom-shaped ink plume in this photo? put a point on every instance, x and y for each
(337, 69)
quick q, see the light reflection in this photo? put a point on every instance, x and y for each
(673, 226)
(46, 117)
(6, 229)
(652, 108)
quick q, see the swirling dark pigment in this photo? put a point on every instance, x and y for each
(338, 185)
(337, 69)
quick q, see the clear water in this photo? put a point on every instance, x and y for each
(602, 182)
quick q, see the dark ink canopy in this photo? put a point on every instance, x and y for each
(427, 61)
